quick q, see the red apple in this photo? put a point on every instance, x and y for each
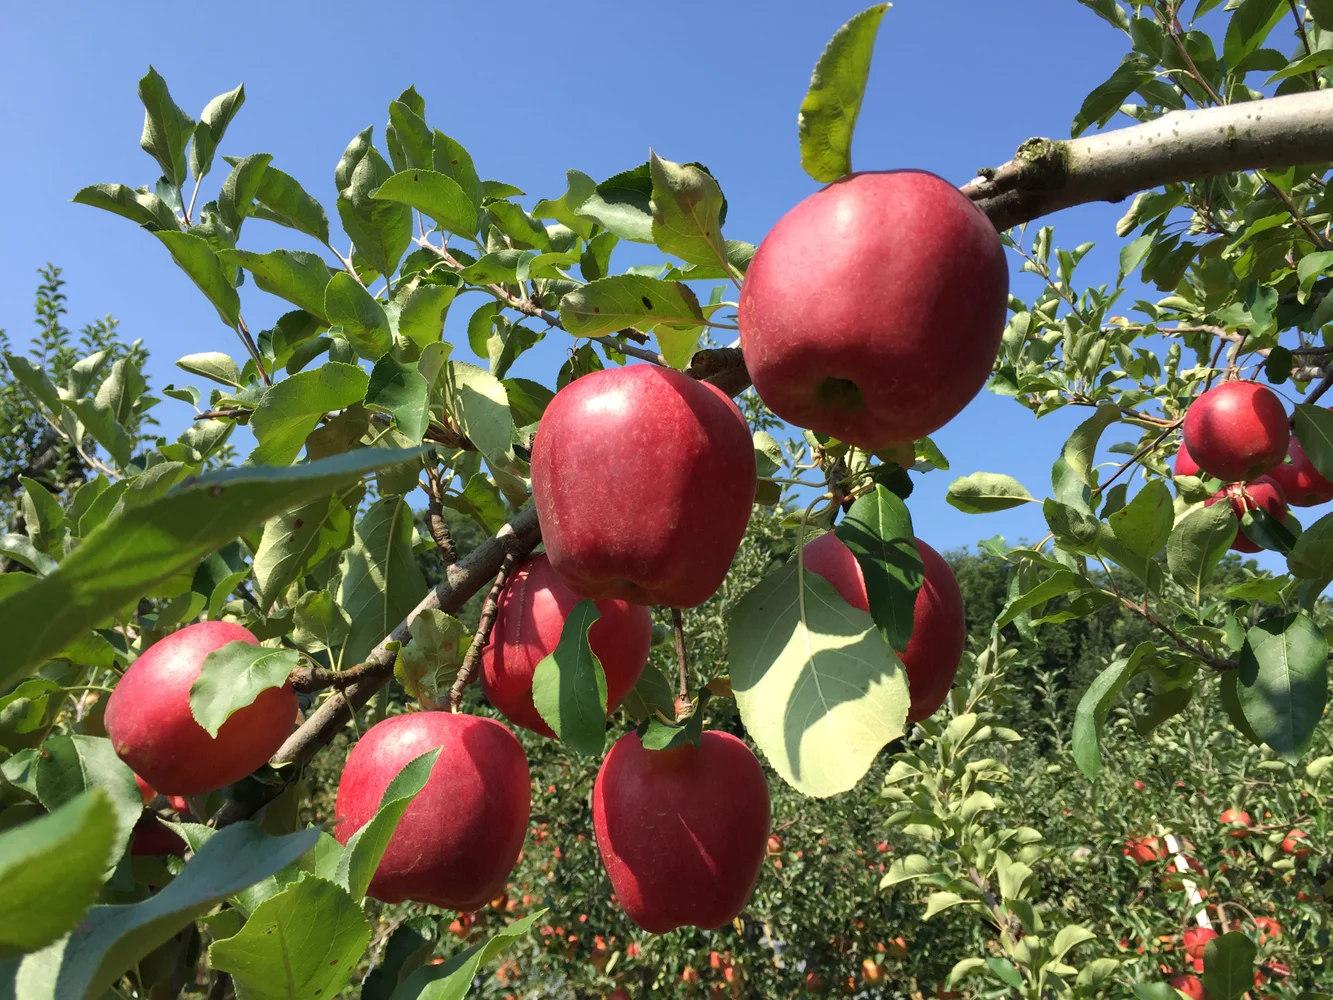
(146, 791)
(939, 623)
(643, 479)
(153, 837)
(152, 729)
(814, 983)
(1268, 929)
(1261, 492)
(1191, 986)
(873, 310)
(1196, 939)
(682, 832)
(1237, 430)
(871, 972)
(1301, 482)
(531, 615)
(459, 839)
(1185, 465)
(1239, 822)
(1291, 843)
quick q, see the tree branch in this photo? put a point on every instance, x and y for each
(490, 608)
(1046, 176)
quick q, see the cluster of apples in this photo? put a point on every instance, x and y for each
(1239, 432)
(871, 313)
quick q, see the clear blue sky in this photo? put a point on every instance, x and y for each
(530, 89)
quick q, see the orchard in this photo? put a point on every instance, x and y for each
(403, 677)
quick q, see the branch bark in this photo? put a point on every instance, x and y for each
(1046, 176)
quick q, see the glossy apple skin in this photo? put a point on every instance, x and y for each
(939, 621)
(1301, 482)
(643, 480)
(1185, 464)
(1191, 986)
(1262, 492)
(459, 839)
(874, 309)
(683, 833)
(531, 615)
(149, 721)
(1237, 431)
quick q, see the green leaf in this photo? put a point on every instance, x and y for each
(1311, 558)
(1105, 100)
(52, 870)
(1081, 448)
(1155, 991)
(621, 204)
(381, 582)
(141, 546)
(233, 676)
(435, 195)
(68, 766)
(453, 979)
(35, 380)
(1228, 965)
(938, 902)
(366, 847)
(452, 160)
(523, 230)
(422, 313)
(1093, 707)
(400, 390)
(213, 365)
(651, 694)
(1144, 524)
(381, 230)
(236, 199)
(1314, 430)
(213, 122)
(295, 541)
(101, 423)
(166, 128)
(141, 206)
(1250, 24)
(569, 685)
(1197, 544)
(290, 410)
(21, 549)
(428, 665)
(410, 945)
(984, 492)
(481, 501)
(1062, 581)
(347, 303)
(611, 304)
(828, 113)
(878, 530)
(409, 129)
(281, 199)
(1282, 683)
(196, 258)
(282, 953)
(320, 623)
(482, 410)
(818, 688)
(28, 712)
(296, 276)
(687, 212)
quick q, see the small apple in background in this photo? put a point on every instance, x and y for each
(1196, 939)
(1302, 484)
(1139, 786)
(1237, 431)
(530, 616)
(459, 839)
(1189, 985)
(1239, 822)
(643, 479)
(874, 309)
(871, 972)
(775, 844)
(939, 621)
(1294, 844)
(1268, 929)
(152, 729)
(1185, 465)
(1258, 493)
(1144, 851)
(682, 832)
(814, 983)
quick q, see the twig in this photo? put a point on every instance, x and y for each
(490, 608)
(249, 342)
(1217, 663)
(1150, 446)
(1320, 389)
(439, 530)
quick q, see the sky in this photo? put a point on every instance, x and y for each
(531, 90)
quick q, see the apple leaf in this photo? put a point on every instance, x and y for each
(985, 492)
(52, 870)
(360, 316)
(687, 212)
(381, 582)
(878, 531)
(1282, 683)
(818, 688)
(611, 304)
(1081, 448)
(298, 539)
(1144, 524)
(196, 258)
(569, 685)
(1228, 965)
(651, 694)
(452, 980)
(233, 676)
(828, 113)
(294, 275)
(435, 195)
(399, 389)
(428, 665)
(1197, 545)
(290, 410)
(1096, 703)
(68, 766)
(1311, 558)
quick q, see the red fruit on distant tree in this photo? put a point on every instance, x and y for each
(1262, 493)
(1144, 851)
(814, 983)
(1139, 786)
(643, 479)
(150, 724)
(1191, 986)
(459, 839)
(871, 972)
(1294, 843)
(1196, 939)
(531, 615)
(1239, 822)
(682, 832)
(1268, 929)
(775, 844)
(874, 309)
(1302, 484)
(939, 621)
(1237, 430)
(1185, 465)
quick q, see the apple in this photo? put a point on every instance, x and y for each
(682, 832)
(643, 479)
(1268, 929)
(1262, 492)
(1196, 939)
(150, 724)
(146, 791)
(1239, 822)
(1237, 430)
(1189, 985)
(871, 972)
(1144, 851)
(873, 310)
(1301, 482)
(1139, 786)
(897, 947)
(153, 837)
(1291, 843)
(530, 616)
(459, 839)
(775, 844)
(1185, 465)
(814, 983)
(939, 622)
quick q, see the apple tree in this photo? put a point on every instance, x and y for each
(186, 633)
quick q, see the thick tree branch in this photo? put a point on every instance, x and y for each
(1046, 176)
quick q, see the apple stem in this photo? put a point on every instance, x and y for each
(682, 664)
(489, 610)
